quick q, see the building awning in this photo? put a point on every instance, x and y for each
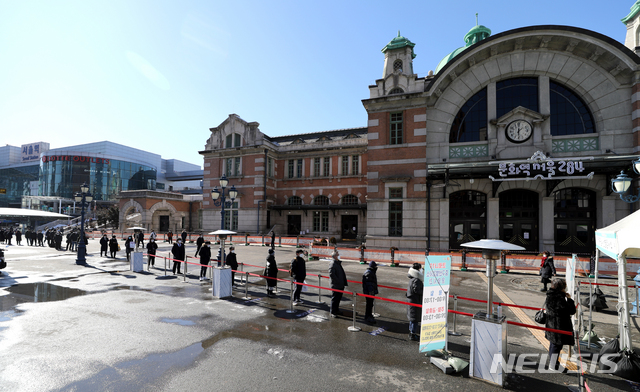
(26, 213)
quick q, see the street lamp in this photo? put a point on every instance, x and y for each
(622, 183)
(84, 198)
(219, 197)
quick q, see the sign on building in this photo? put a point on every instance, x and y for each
(540, 167)
(435, 299)
(31, 152)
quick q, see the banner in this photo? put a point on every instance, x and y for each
(435, 298)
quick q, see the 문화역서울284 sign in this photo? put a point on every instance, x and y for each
(540, 167)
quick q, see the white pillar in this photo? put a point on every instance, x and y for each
(493, 217)
(547, 225)
(623, 298)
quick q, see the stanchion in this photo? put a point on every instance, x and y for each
(279, 241)
(319, 301)
(290, 310)
(464, 260)
(165, 265)
(499, 310)
(184, 272)
(263, 240)
(455, 308)
(353, 327)
(246, 239)
(590, 309)
(246, 287)
(241, 272)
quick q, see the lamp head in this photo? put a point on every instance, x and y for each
(77, 197)
(636, 166)
(89, 198)
(621, 183)
(84, 188)
(224, 181)
(233, 193)
(215, 194)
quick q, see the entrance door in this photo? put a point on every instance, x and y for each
(294, 224)
(519, 218)
(164, 223)
(349, 227)
(467, 217)
(575, 220)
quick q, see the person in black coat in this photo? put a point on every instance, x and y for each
(338, 282)
(178, 254)
(232, 262)
(271, 271)
(559, 308)
(129, 244)
(41, 238)
(370, 287)
(414, 293)
(152, 247)
(205, 259)
(199, 243)
(184, 236)
(104, 244)
(298, 271)
(547, 270)
(18, 237)
(113, 246)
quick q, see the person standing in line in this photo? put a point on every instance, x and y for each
(271, 271)
(184, 236)
(199, 243)
(178, 254)
(232, 262)
(18, 237)
(128, 246)
(414, 293)
(75, 235)
(205, 259)
(58, 240)
(547, 270)
(152, 236)
(104, 244)
(170, 237)
(273, 239)
(338, 282)
(41, 238)
(370, 287)
(68, 241)
(151, 251)
(298, 271)
(113, 246)
(559, 308)
(140, 239)
(9, 236)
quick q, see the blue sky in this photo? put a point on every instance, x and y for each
(158, 74)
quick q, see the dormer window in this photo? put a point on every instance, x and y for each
(233, 140)
(397, 66)
(396, 90)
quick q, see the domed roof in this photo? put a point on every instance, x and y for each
(476, 34)
(399, 42)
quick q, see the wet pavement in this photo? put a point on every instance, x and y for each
(65, 327)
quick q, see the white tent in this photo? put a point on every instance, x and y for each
(619, 241)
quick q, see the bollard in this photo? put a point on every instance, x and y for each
(393, 255)
(455, 307)
(279, 241)
(464, 260)
(319, 301)
(184, 272)
(297, 241)
(499, 310)
(246, 239)
(263, 240)
(353, 327)
(290, 310)
(246, 287)
(241, 272)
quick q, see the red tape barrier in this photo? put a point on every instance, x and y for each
(599, 284)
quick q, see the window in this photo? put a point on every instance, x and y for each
(397, 65)
(299, 171)
(236, 169)
(291, 168)
(270, 165)
(349, 200)
(231, 215)
(396, 128)
(229, 167)
(321, 221)
(321, 200)
(470, 124)
(515, 92)
(355, 165)
(294, 201)
(569, 114)
(396, 90)
(326, 171)
(237, 142)
(233, 140)
(228, 141)
(232, 167)
(316, 167)
(395, 193)
(395, 212)
(345, 165)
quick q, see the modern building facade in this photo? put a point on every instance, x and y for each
(514, 136)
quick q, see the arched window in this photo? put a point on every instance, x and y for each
(321, 200)
(569, 114)
(515, 92)
(396, 90)
(294, 201)
(233, 140)
(397, 65)
(470, 124)
(349, 200)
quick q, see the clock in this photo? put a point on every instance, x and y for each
(519, 131)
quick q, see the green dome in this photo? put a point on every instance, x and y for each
(476, 34)
(399, 42)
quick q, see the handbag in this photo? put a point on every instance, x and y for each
(541, 315)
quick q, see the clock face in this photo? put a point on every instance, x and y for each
(519, 131)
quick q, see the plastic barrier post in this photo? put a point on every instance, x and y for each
(319, 301)
(290, 310)
(499, 310)
(279, 241)
(241, 272)
(246, 287)
(297, 241)
(353, 327)
(246, 239)
(455, 315)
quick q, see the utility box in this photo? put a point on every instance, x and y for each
(488, 348)
(136, 262)
(221, 282)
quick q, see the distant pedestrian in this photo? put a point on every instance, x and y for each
(271, 271)
(170, 237)
(104, 244)
(199, 243)
(370, 287)
(129, 244)
(559, 308)
(184, 236)
(41, 238)
(547, 270)
(232, 262)
(140, 240)
(18, 237)
(178, 255)
(113, 246)
(205, 259)
(338, 282)
(298, 271)
(153, 235)
(414, 293)
(152, 247)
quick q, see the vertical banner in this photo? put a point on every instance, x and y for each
(433, 331)
(570, 278)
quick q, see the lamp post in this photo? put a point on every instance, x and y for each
(83, 197)
(219, 197)
(622, 183)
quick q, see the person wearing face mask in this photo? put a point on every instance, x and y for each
(414, 293)
(104, 244)
(151, 251)
(205, 258)
(370, 287)
(232, 262)
(178, 255)
(113, 246)
(129, 244)
(338, 282)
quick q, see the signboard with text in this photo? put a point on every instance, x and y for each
(541, 167)
(31, 152)
(435, 299)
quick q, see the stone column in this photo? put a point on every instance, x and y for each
(547, 225)
(493, 218)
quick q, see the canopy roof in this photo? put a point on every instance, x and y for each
(620, 238)
(26, 213)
